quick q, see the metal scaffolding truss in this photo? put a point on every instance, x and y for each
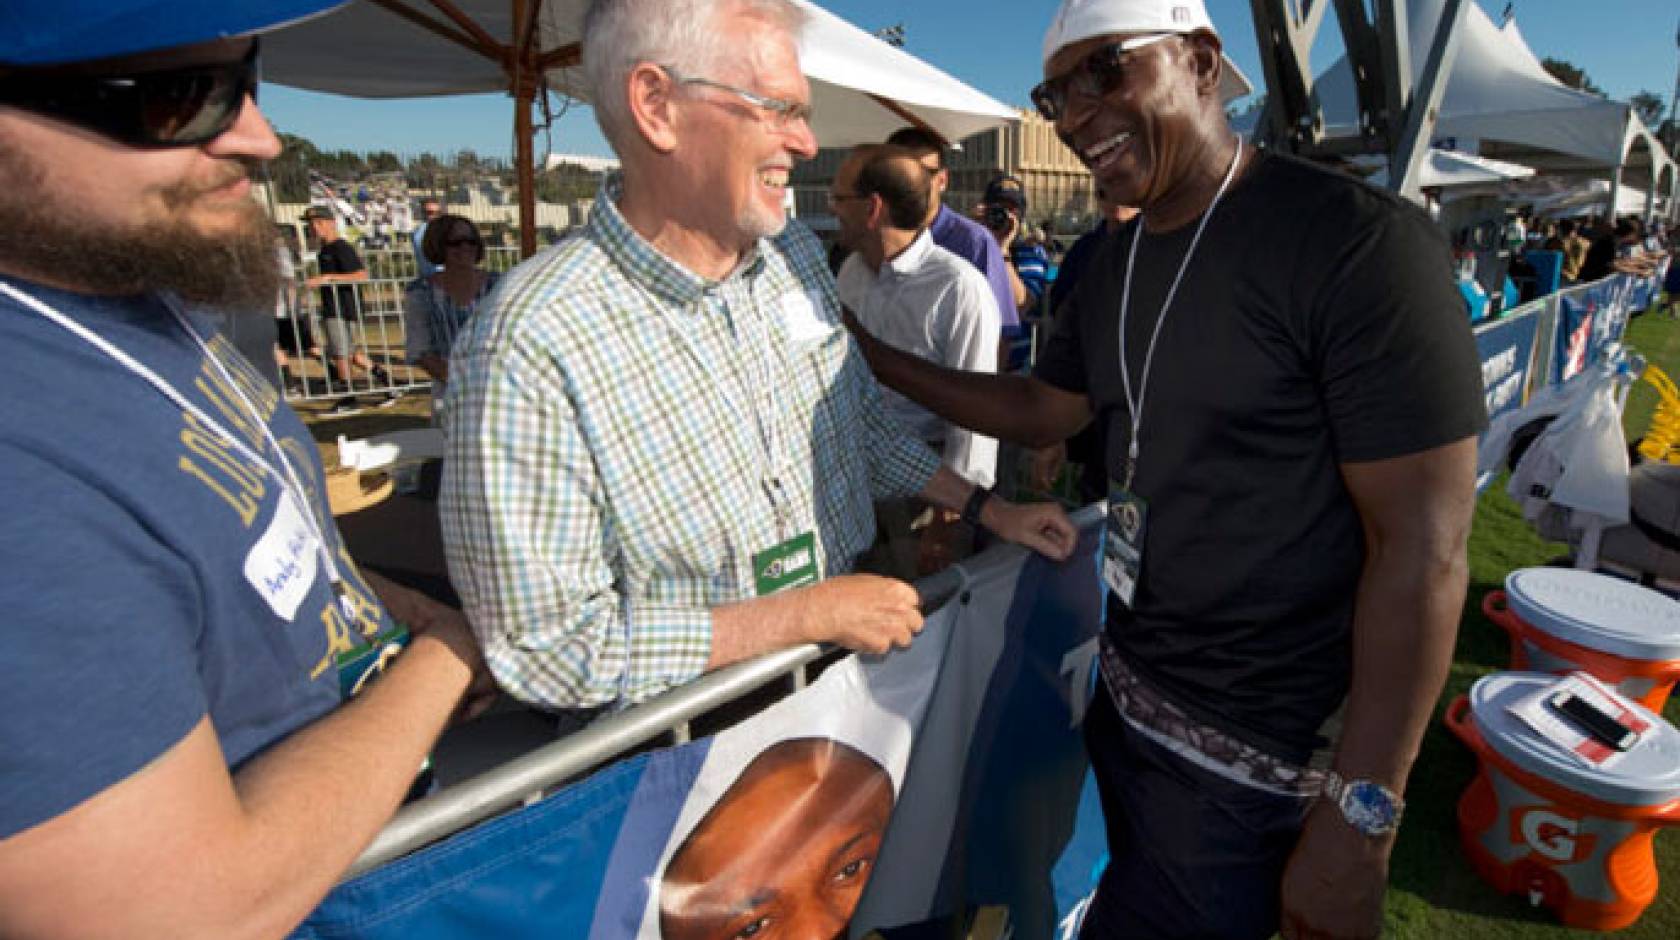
(1397, 111)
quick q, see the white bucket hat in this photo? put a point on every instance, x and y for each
(1081, 19)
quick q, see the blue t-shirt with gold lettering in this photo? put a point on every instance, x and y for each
(150, 573)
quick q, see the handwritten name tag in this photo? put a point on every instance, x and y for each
(283, 563)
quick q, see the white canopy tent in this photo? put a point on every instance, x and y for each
(1501, 102)
(861, 88)
(1444, 169)
(1497, 91)
(1590, 197)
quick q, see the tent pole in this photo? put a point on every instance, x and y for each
(522, 70)
(1615, 191)
(523, 98)
(1405, 162)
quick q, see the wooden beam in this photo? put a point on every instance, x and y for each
(524, 165)
(430, 25)
(906, 115)
(525, 39)
(469, 26)
(561, 58)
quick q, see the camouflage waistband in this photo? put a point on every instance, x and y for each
(1145, 707)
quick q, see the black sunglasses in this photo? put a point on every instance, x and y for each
(177, 107)
(1096, 75)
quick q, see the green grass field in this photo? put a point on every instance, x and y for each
(1433, 892)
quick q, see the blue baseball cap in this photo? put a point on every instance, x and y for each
(60, 31)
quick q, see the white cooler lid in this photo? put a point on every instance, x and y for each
(1647, 775)
(1597, 611)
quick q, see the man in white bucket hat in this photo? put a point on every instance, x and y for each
(1291, 398)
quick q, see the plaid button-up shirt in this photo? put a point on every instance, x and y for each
(608, 475)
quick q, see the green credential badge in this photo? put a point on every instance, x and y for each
(789, 564)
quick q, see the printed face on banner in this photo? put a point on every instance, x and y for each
(785, 852)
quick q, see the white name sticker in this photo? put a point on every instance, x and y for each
(799, 318)
(283, 563)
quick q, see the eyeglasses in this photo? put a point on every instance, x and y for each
(1098, 74)
(179, 107)
(783, 114)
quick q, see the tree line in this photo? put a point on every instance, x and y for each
(421, 173)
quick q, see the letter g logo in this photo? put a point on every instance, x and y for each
(1550, 835)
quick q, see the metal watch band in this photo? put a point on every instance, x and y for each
(1336, 789)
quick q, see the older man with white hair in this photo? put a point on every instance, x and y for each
(663, 446)
(1291, 400)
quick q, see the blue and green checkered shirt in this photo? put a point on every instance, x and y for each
(602, 491)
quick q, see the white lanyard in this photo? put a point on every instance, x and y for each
(289, 482)
(769, 434)
(1135, 408)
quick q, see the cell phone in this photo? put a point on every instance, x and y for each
(1597, 723)
(997, 217)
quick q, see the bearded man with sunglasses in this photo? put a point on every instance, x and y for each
(206, 711)
(1291, 398)
(663, 447)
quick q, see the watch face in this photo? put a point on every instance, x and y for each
(1369, 808)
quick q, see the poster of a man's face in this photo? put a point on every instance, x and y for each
(785, 852)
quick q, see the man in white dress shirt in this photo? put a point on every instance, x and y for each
(921, 298)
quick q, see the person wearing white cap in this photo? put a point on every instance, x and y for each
(206, 711)
(1291, 398)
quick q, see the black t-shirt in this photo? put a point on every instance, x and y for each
(1600, 255)
(1317, 324)
(338, 300)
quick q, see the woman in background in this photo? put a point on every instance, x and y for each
(437, 307)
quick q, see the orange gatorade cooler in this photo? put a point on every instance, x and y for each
(1538, 820)
(1561, 620)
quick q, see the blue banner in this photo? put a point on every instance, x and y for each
(1506, 351)
(1574, 335)
(892, 791)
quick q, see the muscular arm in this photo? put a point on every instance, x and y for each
(1009, 407)
(1416, 515)
(183, 849)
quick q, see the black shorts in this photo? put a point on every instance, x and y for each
(294, 335)
(1191, 853)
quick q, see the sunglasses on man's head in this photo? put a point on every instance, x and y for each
(169, 107)
(1096, 75)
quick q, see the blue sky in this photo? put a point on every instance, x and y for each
(1624, 45)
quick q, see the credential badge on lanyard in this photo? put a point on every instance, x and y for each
(1128, 513)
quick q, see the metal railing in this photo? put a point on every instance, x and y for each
(529, 777)
(372, 314)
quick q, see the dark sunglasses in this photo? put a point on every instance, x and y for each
(179, 107)
(1096, 75)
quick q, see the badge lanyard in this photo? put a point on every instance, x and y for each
(769, 434)
(289, 482)
(1135, 408)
